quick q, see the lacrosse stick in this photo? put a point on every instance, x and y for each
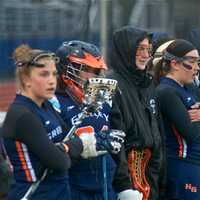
(97, 92)
(137, 162)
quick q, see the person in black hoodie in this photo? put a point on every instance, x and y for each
(130, 53)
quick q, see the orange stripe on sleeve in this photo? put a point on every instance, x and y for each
(180, 142)
(23, 161)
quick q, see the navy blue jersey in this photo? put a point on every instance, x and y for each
(29, 132)
(182, 136)
(182, 141)
(88, 174)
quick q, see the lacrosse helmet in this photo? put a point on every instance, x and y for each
(76, 59)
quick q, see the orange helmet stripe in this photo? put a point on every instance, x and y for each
(89, 60)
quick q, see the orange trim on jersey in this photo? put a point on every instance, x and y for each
(23, 161)
(85, 129)
(180, 142)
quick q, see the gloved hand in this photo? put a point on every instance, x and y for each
(110, 140)
(130, 195)
(96, 143)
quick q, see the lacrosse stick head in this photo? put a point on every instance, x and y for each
(98, 91)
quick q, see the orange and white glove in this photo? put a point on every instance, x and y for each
(95, 144)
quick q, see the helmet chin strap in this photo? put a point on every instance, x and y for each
(74, 91)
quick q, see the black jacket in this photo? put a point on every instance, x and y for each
(137, 103)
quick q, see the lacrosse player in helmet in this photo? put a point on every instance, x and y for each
(89, 178)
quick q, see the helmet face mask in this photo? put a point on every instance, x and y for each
(78, 62)
(73, 74)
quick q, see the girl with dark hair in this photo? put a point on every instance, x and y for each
(180, 109)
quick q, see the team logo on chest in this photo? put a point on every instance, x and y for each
(70, 108)
(55, 132)
(153, 105)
